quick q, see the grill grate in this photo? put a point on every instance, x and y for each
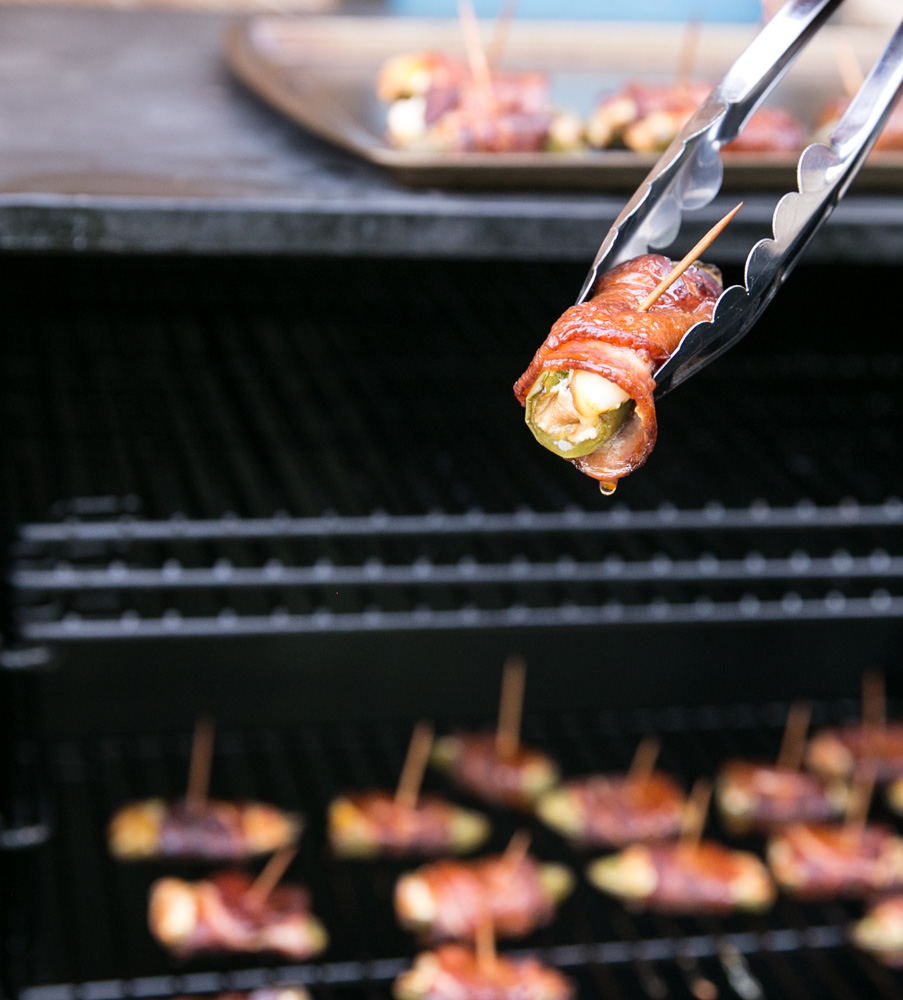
(84, 917)
(218, 448)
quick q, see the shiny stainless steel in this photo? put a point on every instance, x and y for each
(688, 176)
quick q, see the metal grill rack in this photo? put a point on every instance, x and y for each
(90, 944)
(218, 448)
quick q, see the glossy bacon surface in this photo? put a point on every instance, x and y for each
(474, 764)
(216, 831)
(670, 877)
(753, 796)
(607, 335)
(610, 810)
(448, 899)
(821, 861)
(220, 915)
(838, 751)
(367, 824)
(452, 972)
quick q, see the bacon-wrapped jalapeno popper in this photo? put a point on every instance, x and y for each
(473, 762)
(453, 972)
(369, 824)
(647, 117)
(822, 861)
(216, 830)
(839, 751)
(448, 899)
(612, 810)
(754, 797)
(671, 877)
(880, 931)
(588, 391)
(437, 106)
(219, 914)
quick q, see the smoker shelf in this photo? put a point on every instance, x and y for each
(219, 448)
(83, 914)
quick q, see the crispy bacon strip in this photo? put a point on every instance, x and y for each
(821, 861)
(880, 931)
(606, 335)
(838, 752)
(452, 972)
(474, 764)
(448, 899)
(675, 878)
(610, 810)
(218, 831)
(758, 797)
(367, 824)
(220, 915)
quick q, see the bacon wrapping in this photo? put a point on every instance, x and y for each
(219, 914)
(822, 861)
(370, 824)
(755, 797)
(452, 972)
(217, 831)
(437, 106)
(671, 877)
(588, 391)
(647, 117)
(880, 931)
(448, 899)
(474, 764)
(839, 752)
(611, 810)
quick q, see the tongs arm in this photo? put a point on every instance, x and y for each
(689, 174)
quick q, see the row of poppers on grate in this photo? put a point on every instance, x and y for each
(820, 846)
(440, 104)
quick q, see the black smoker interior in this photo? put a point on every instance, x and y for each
(298, 495)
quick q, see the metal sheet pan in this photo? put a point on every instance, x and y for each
(320, 72)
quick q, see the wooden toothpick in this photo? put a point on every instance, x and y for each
(500, 33)
(484, 942)
(861, 798)
(408, 790)
(693, 255)
(473, 46)
(511, 704)
(874, 699)
(851, 75)
(695, 813)
(643, 763)
(517, 848)
(272, 874)
(793, 743)
(199, 766)
(689, 46)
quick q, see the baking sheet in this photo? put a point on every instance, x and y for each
(321, 71)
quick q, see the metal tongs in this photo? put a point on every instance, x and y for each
(689, 174)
